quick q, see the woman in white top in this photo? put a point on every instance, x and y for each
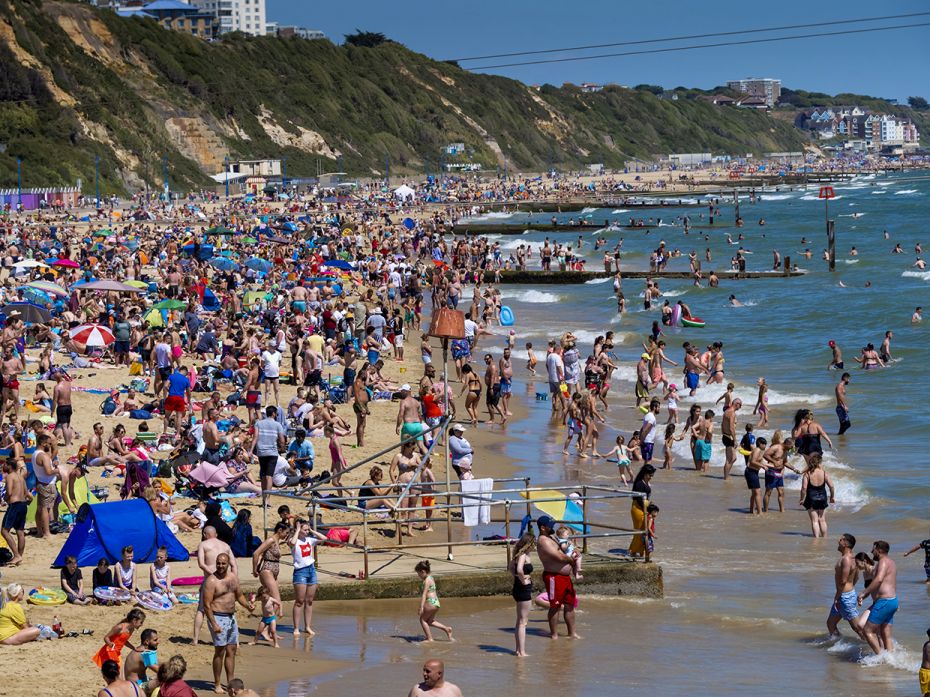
(302, 544)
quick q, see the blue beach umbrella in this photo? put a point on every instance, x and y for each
(338, 264)
(34, 295)
(257, 264)
(223, 264)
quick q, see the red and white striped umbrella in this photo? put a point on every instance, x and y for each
(92, 335)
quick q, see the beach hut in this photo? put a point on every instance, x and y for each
(102, 530)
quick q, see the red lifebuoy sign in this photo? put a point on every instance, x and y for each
(826, 192)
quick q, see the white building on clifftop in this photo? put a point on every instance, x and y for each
(247, 16)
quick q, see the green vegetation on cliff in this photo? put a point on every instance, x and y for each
(79, 83)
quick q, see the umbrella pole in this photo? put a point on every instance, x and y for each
(444, 433)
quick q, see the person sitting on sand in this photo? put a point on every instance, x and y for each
(14, 628)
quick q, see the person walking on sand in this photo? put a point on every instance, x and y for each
(842, 406)
(429, 602)
(208, 550)
(557, 577)
(883, 590)
(434, 683)
(221, 592)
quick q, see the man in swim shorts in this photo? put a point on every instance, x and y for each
(845, 603)
(408, 418)
(842, 407)
(557, 578)
(221, 592)
(883, 590)
(728, 434)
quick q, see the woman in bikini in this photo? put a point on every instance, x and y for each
(471, 384)
(371, 494)
(266, 561)
(402, 471)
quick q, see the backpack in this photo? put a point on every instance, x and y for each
(108, 407)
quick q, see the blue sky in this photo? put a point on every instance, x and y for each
(884, 64)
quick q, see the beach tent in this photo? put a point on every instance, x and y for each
(209, 301)
(104, 529)
(154, 318)
(404, 192)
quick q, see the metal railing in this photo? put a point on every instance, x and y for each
(520, 497)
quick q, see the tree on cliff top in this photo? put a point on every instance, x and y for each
(366, 39)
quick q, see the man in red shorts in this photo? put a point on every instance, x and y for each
(557, 578)
(178, 399)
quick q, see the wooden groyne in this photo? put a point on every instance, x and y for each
(520, 228)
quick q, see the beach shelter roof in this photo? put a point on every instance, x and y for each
(108, 284)
(404, 192)
(102, 530)
(154, 318)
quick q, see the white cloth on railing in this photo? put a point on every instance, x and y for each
(476, 506)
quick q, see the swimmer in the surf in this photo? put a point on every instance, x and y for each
(734, 302)
(836, 362)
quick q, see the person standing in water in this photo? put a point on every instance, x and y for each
(842, 406)
(845, 602)
(814, 485)
(883, 590)
(836, 361)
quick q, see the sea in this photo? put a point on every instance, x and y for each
(746, 598)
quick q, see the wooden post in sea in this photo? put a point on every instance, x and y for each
(787, 266)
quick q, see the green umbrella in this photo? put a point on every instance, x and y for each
(102, 233)
(249, 240)
(170, 304)
(220, 230)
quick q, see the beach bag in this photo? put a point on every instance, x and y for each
(140, 414)
(108, 407)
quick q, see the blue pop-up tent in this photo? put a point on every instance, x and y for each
(103, 529)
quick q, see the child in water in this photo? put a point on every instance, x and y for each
(727, 396)
(669, 441)
(652, 512)
(268, 627)
(530, 359)
(429, 602)
(925, 546)
(671, 396)
(762, 404)
(564, 538)
(621, 453)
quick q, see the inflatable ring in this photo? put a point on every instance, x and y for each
(696, 322)
(152, 600)
(643, 409)
(743, 451)
(189, 598)
(112, 594)
(187, 581)
(46, 596)
(506, 317)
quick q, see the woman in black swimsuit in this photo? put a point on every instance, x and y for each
(814, 485)
(471, 384)
(807, 434)
(522, 593)
(372, 488)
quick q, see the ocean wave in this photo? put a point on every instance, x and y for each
(745, 303)
(899, 657)
(531, 296)
(922, 275)
(618, 211)
(884, 183)
(906, 191)
(514, 244)
(588, 210)
(597, 281)
(776, 197)
(493, 215)
(850, 261)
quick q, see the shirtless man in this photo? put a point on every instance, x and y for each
(220, 594)
(884, 351)
(61, 407)
(14, 520)
(11, 367)
(693, 370)
(728, 435)
(842, 406)
(703, 432)
(209, 549)
(408, 422)
(557, 578)
(134, 669)
(360, 401)
(47, 493)
(492, 394)
(212, 440)
(434, 683)
(836, 362)
(505, 364)
(253, 393)
(883, 590)
(845, 604)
